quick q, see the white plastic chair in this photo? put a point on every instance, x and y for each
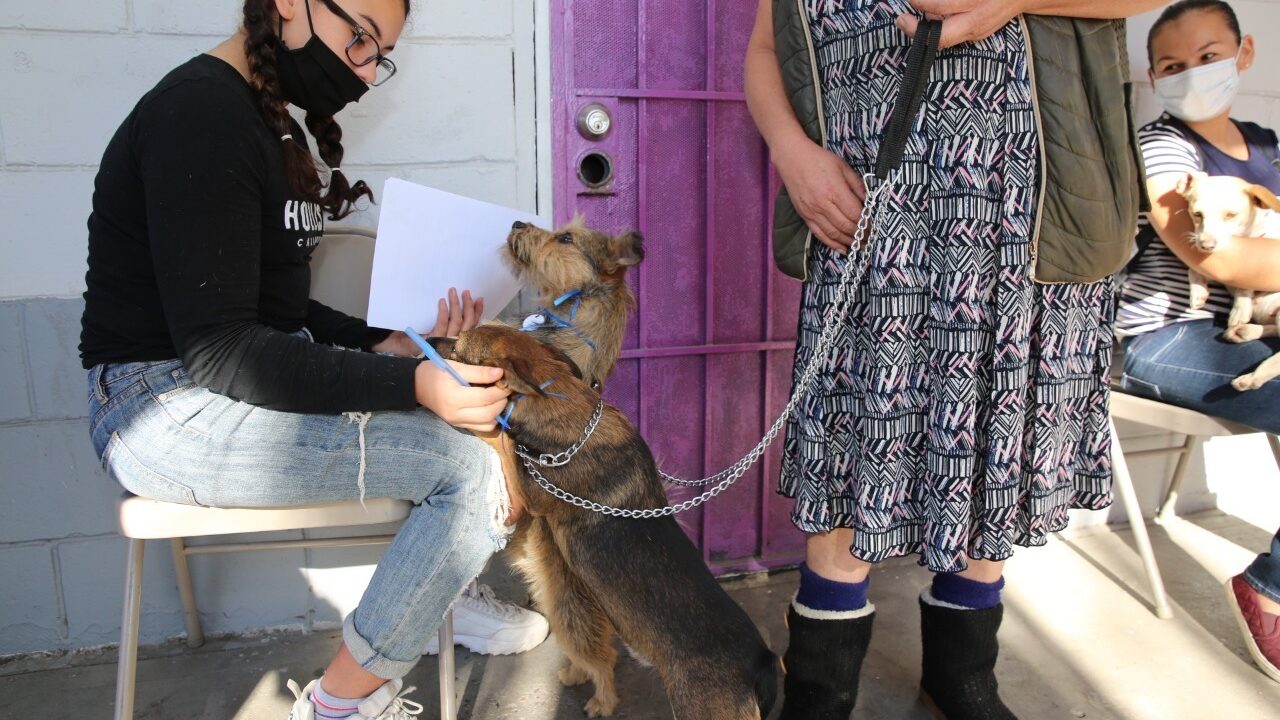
(1195, 427)
(341, 268)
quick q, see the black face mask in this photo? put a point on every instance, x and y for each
(313, 77)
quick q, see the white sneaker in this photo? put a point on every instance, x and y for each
(385, 703)
(484, 624)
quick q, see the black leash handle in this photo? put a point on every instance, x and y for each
(910, 94)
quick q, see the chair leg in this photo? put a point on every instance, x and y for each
(448, 702)
(1275, 448)
(1124, 484)
(195, 635)
(127, 666)
(1167, 509)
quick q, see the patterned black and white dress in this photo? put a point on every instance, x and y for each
(964, 410)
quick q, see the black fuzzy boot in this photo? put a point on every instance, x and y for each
(960, 649)
(822, 663)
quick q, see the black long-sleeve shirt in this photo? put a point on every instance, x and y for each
(199, 250)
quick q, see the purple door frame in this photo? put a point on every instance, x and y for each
(707, 359)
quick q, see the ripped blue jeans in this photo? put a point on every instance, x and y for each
(162, 436)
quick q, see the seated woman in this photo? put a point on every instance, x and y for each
(213, 380)
(1175, 353)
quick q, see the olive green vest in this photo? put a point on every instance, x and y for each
(1092, 187)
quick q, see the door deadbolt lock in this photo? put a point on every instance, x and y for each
(594, 121)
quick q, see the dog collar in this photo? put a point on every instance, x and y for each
(544, 318)
(563, 457)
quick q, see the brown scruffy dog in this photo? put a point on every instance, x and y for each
(596, 575)
(580, 277)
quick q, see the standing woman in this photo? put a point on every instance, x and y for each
(964, 410)
(213, 380)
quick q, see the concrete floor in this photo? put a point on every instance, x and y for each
(1079, 642)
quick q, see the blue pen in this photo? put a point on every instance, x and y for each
(434, 356)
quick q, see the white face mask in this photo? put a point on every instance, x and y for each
(1200, 93)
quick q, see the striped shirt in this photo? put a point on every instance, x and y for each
(1155, 292)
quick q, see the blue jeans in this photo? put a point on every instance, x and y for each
(1189, 364)
(162, 436)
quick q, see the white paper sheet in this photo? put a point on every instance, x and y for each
(429, 241)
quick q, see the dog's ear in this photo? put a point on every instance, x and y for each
(561, 356)
(1263, 197)
(627, 249)
(1187, 182)
(443, 345)
(517, 376)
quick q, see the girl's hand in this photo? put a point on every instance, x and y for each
(470, 408)
(397, 343)
(457, 316)
(826, 192)
(962, 20)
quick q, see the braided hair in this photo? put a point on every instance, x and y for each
(338, 198)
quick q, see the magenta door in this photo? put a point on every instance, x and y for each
(707, 362)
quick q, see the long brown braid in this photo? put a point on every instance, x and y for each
(339, 197)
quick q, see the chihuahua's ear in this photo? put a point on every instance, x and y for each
(628, 249)
(1263, 197)
(1187, 182)
(517, 376)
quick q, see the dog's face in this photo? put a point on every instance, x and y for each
(574, 257)
(1222, 207)
(526, 363)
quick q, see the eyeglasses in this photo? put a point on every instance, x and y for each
(363, 48)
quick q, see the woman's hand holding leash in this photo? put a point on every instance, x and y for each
(969, 20)
(826, 192)
(963, 20)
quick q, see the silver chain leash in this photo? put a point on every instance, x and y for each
(563, 458)
(850, 277)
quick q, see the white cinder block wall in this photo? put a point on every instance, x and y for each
(461, 116)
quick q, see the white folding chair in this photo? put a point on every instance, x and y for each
(1195, 427)
(341, 280)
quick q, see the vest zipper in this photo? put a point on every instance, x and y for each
(1044, 171)
(822, 114)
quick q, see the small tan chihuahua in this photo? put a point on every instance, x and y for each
(1223, 207)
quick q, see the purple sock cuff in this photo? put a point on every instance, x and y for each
(954, 589)
(819, 593)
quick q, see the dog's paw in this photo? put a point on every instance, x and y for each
(571, 675)
(1245, 383)
(1246, 332)
(601, 706)
(1199, 296)
(1239, 316)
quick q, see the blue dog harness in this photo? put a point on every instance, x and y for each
(544, 319)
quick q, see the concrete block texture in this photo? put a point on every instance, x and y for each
(491, 182)
(433, 19)
(96, 16)
(53, 338)
(92, 580)
(78, 90)
(15, 404)
(204, 18)
(29, 617)
(435, 113)
(45, 244)
(54, 484)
